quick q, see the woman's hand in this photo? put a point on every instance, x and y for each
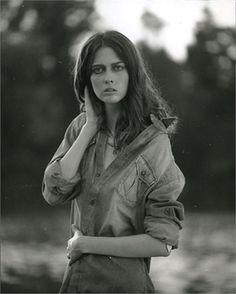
(74, 250)
(91, 116)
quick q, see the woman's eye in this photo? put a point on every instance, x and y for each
(119, 67)
(97, 70)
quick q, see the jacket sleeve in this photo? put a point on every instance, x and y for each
(163, 213)
(55, 189)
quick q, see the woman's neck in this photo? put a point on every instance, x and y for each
(112, 115)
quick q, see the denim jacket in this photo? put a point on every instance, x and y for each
(137, 193)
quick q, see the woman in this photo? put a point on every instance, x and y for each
(116, 167)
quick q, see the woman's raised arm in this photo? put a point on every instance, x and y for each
(71, 160)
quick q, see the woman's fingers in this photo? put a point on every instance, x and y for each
(86, 93)
(74, 228)
(91, 116)
(76, 231)
(88, 104)
(72, 244)
(73, 256)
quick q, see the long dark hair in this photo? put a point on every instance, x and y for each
(142, 98)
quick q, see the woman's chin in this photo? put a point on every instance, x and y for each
(111, 99)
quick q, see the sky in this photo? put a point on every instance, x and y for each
(178, 16)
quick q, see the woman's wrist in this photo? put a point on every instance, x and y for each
(83, 244)
(90, 128)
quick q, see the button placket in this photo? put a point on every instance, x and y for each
(87, 220)
(100, 145)
(92, 202)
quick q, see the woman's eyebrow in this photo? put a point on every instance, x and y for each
(97, 64)
(114, 63)
(120, 61)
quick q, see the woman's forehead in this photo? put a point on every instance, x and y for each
(106, 55)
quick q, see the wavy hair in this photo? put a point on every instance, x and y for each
(142, 96)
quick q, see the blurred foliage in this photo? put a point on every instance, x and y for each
(151, 21)
(38, 41)
(209, 114)
(37, 93)
(202, 91)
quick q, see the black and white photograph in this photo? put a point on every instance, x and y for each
(118, 146)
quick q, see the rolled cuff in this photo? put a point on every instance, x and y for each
(164, 223)
(55, 181)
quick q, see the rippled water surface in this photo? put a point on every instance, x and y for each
(33, 255)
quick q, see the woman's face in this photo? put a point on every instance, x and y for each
(109, 76)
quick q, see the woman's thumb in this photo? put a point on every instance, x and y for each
(74, 229)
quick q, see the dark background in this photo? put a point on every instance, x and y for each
(38, 103)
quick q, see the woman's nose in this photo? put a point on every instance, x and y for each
(109, 79)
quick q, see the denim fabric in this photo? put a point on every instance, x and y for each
(105, 274)
(137, 193)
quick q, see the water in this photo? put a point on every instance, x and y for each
(34, 259)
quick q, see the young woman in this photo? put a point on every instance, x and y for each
(116, 167)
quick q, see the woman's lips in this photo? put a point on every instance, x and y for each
(110, 90)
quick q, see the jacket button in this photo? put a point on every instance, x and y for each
(92, 202)
(98, 175)
(167, 211)
(143, 173)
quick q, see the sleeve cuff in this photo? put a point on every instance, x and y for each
(163, 229)
(56, 181)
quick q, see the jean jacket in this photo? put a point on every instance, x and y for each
(137, 193)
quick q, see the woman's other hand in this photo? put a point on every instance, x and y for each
(91, 116)
(74, 249)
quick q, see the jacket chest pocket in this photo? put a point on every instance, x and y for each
(135, 183)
